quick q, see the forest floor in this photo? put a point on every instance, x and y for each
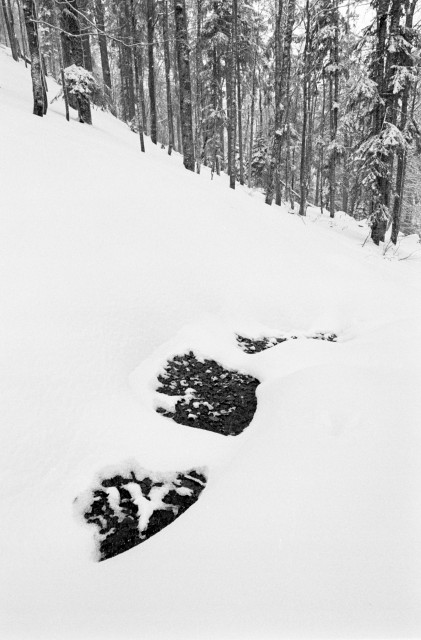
(115, 266)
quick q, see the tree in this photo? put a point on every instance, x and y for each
(167, 62)
(405, 63)
(306, 109)
(8, 18)
(151, 67)
(102, 41)
(183, 62)
(273, 156)
(40, 101)
(231, 97)
(138, 75)
(71, 37)
(333, 71)
(126, 66)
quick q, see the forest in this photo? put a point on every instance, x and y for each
(311, 102)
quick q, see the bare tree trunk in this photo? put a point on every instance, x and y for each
(215, 104)
(135, 64)
(273, 147)
(312, 104)
(231, 77)
(3, 30)
(61, 64)
(10, 31)
(126, 66)
(378, 228)
(253, 94)
(151, 68)
(177, 100)
(334, 97)
(282, 78)
(12, 25)
(402, 155)
(306, 89)
(291, 112)
(228, 93)
(199, 106)
(165, 35)
(183, 61)
(345, 178)
(102, 42)
(239, 103)
(85, 28)
(22, 34)
(36, 69)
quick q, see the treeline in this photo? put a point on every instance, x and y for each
(292, 97)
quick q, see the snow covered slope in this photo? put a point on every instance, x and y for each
(111, 262)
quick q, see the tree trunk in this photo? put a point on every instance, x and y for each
(165, 36)
(85, 28)
(22, 34)
(151, 67)
(282, 76)
(253, 94)
(177, 99)
(215, 105)
(34, 52)
(378, 228)
(102, 41)
(55, 20)
(312, 104)
(73, 52)
(231, 78)
(10, 31)
(272, 155)
(12, 25)
(345, 178)
(128, 85)
(402, 155)
(291, 114)
(135, 64)
(333, 104)
(199, 106)
(183, 61)
(239, 104)
(306, 88)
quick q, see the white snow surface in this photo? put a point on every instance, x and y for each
(111, 262)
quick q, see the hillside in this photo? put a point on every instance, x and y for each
(112, 263)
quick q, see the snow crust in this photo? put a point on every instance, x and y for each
(111, 263)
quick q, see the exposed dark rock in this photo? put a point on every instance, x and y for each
(250, 345)
(213, 398)
(122, 520)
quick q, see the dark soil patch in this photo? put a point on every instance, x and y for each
(249, 345)
(214, 398)
(121, 520)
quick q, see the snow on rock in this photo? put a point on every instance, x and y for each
(209, 396)
(111, 263)
(129, 506)
(257, 344)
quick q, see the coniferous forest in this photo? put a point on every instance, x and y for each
(312, 102)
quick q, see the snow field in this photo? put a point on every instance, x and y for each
(111, 263)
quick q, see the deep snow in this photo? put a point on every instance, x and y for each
(112, 262)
